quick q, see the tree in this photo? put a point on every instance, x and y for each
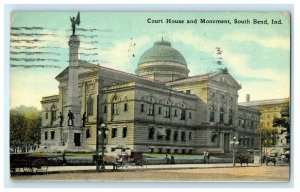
(24, 126)
(284, 120)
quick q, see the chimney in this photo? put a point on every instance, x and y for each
(247, 97)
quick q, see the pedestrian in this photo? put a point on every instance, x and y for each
(172, 159)
(64, 158)
(167, 159)
(207, 157)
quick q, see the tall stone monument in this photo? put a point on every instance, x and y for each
(73, 133)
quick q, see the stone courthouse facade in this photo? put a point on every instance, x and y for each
(159, 109)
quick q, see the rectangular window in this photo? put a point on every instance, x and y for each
(190, 151)
(167, 112)
(151, 109)
(114, 132)
(125, 107)
(151, 132)
(159, 150)
(252, 125)
(190, 135)
(142, 107)
(159, 137)
(53, 115)
(87, 133)
(168, 151)
(124, 132)
(190, 114)
(175, 151)
(46, 115)
(159, 110)
(168, 134)
(183, 151)
(52, 135)
(182, 136)
(175, 113)
(105, 109)
(46, 135)
(212, 116)
(182, 117)
(243, 123)
(175, 136)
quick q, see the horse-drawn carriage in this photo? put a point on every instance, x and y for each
(121, 161)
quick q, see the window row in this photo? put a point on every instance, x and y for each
(246, 141)
(167, 111)
(247, 124)
(221, 115)
(161, 134)
(52, 135)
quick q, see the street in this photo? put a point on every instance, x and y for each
(160, 173)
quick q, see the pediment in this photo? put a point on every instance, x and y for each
(225, 79)
(83, 68)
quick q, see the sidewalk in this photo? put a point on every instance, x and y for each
(70, 169)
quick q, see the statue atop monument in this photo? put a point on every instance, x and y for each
(75, 22)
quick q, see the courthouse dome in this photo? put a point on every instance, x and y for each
(162, 62)
(162, 51)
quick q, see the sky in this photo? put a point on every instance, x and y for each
(256, 55)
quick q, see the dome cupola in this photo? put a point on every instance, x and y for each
(162, 62)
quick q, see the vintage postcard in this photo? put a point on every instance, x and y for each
(150, 96)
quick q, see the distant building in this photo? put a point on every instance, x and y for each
(271, 109)
(159, 109)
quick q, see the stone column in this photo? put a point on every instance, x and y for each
(221, 140)
(73, 100)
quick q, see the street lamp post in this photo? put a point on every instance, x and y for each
(233, 149)
(103, 130)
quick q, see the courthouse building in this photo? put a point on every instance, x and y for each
(159, 109)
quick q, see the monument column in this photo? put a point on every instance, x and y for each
(72, 104)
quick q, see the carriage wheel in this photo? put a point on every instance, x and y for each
(40, 165)
(125, 165)
(140, 163)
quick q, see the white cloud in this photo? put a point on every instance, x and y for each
(240, 64)
(269, 42)
(119, 56)
(236, 62)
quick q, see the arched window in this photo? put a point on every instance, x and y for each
(90, 104)
(230, 119)
(214, 137)
(53, 114)
(151, 109)
(221, 115)
(212, 114)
